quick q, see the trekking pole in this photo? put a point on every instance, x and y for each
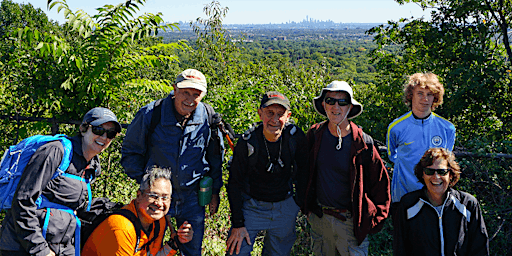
(226, 134)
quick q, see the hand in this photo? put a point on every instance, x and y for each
(185, 232)
(236, 239)
(51, 253)
(213, 206)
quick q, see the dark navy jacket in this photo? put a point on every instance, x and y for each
(185, 150)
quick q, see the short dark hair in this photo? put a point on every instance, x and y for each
(154, 173)
(431, 156)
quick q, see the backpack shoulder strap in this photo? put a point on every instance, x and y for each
(156, 116)
(134, 220)
(210, 112)
(368, 154)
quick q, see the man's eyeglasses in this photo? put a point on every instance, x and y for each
(98, 130)
(431, 171)
(154, 197)
(341, 102)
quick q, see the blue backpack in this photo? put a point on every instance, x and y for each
(16, 158)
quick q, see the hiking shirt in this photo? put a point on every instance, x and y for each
(248, 171)
(22, 226)
(117, 236)
(185, 150)
(458, 230)
(369, 181)
(407, 140)
(333, 180)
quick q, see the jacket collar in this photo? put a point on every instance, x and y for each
(427, 120)
(168, 118)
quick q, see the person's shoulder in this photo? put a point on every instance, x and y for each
(119, 222)
(411, 198)
(400, 120)
(464, 197)
(294, 130)
(444, 121)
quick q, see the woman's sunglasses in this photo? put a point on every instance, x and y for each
(98, 130)
(341, 102)
(431, 171)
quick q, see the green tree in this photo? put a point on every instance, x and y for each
(464, 45)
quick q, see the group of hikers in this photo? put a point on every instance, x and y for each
(333, 174)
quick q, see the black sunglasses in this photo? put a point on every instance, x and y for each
(431, 171)
(98, 130)
(332, 101)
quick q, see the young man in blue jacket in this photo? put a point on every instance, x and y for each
(410, 135)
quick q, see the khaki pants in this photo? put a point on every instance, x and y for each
(331, 237)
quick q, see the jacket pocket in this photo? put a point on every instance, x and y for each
(61, 226)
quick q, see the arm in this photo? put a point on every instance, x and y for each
(478, 240)
(379, 191)
(133, 152)
(451, 139)
(302, 175)
(399, 232)
(236, 182)
(214, 156)
(34, 179)
(237, 179)
(391, 143)
(114, 236)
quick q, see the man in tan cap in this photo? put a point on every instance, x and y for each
(176, 133)
(348, 187)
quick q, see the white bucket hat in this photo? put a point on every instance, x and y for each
(338, 86)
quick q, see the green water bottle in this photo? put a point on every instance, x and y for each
(205, 190)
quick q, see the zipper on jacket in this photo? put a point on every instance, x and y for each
(440, 217)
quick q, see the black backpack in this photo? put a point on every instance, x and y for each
(101, 209)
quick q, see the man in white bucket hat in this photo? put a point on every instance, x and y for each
(348, 186)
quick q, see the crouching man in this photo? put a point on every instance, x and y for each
(117, 235)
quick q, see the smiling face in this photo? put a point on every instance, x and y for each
(93, 144)
(186, 100)
(422, 100)
(336, 113)
(274, 117)
(149, 208)
(437, 184)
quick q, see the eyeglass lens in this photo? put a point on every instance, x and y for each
(431, 171)
(332, 101)
(98, 130)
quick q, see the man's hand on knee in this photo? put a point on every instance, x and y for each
(236, 239)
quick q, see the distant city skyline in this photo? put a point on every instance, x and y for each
(261, 11)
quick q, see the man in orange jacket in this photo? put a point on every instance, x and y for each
(117, 235)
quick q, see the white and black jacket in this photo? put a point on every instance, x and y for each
(458, 230)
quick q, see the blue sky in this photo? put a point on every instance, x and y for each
(261, 11)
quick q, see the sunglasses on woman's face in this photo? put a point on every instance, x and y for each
(332, 101)
(98, 130)
(431, 171)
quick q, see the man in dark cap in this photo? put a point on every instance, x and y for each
(266, 162)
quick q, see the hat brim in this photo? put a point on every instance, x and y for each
(356, 110)
(275, 101)
(191, 84)
(101, 121)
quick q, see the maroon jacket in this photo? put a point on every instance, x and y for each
(370, 198)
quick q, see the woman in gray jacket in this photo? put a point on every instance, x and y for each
(26, 230)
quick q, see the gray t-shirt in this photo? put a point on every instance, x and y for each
(333, 183)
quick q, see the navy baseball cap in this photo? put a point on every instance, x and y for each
(98, 116)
